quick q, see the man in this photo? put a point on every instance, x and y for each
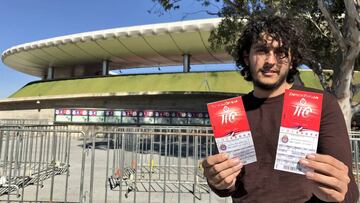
(270, 50)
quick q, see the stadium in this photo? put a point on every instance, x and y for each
(148, 131)
(75, 75)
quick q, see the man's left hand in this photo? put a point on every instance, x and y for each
(330, 177)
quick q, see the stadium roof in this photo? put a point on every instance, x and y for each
(129, 47)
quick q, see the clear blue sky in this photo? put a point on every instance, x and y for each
(31, 20)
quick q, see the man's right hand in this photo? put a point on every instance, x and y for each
(221, 172)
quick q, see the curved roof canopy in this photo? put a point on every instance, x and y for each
(129, 47)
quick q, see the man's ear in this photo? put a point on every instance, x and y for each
(246, 57)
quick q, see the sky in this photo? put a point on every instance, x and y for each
(31, 20)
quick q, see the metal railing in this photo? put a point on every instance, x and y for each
(33, 159)
(42, 163)
(149, 163)
(355, 144)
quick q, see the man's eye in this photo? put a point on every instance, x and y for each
(262, 50)
(281, 54)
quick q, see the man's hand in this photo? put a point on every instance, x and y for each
(330, 177)
(220, 171)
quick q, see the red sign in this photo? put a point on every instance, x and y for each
(302, 110)
(63, 112)
(228, 116)
(146, 113)
(79, 112)
(93, 112)
(162, 114)
(130, 113)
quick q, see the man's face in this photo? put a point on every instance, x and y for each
(269, 63)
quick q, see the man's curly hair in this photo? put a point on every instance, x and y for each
(281, 29)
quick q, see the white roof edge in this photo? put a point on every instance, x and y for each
(190, 25)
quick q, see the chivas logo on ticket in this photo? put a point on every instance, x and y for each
(302, 109)
(228, 116)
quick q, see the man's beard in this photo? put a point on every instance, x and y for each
(270, 86)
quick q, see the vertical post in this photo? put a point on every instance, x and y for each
(186, 63)
(179, 166)
(134, 161)
(82, 195)
(165, 166)
(196, 146)
(39, 165)
(50, 73)
(67, 158)
(356, 155)
(10, 168)
(105, 67)
(151, 166)
(92, 168)
(122, 161)
(107, 165)
(26, 138)
(210, 153)
(53, 161)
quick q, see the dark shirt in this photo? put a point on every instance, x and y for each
(259, 182)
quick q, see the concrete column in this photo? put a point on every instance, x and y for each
(105, 67)
(50, 73)
(186, 63)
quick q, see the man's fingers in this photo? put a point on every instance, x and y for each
(336, 184)
(217, 168)
(331, 176)
(227, 182)
(329, 194)
(220, 171)
(328, 166)
(327, 160)
(222, 175)
(214, 159)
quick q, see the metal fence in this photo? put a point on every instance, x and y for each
(151, 164)
(41, 163)
(32, 163)
(355, 144)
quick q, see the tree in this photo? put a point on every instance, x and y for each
(333, 26)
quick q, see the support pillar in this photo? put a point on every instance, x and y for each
(50, 73)
(186, 63)
(105, 67)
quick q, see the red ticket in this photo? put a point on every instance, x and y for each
(299, 130)
(231, 129)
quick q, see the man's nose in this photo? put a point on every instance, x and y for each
(271, 58)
